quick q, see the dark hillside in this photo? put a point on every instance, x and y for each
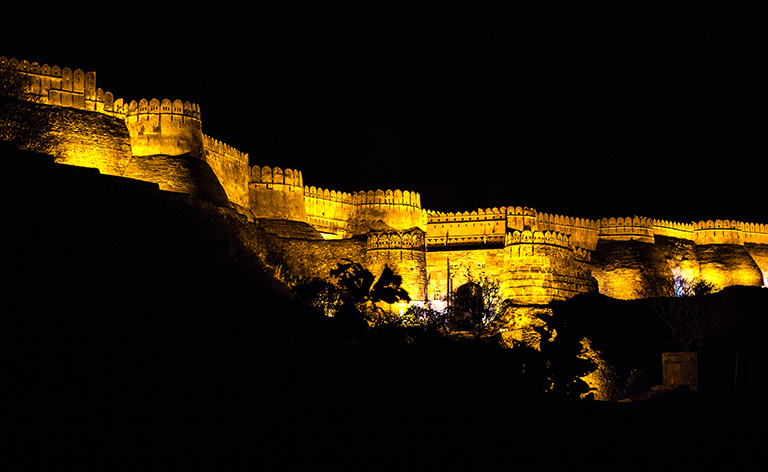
(138, 327)
(128, 309)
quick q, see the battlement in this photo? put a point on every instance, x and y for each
(479, 227)
(536, 256)
(479, 215)
(65, 87)
(164, 107)
(549, 238)
(276, 176)
(626, 229)
(413, 239)
(217, 150)
(713, 231)
(386, 197)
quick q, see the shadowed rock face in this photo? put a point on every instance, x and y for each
(759, 253)
(680, 255)
(185, 174)
(90, 139)
(728, 264)
(630, 269)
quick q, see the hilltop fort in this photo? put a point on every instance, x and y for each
(536, 257)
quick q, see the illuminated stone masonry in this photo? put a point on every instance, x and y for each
(535, 257)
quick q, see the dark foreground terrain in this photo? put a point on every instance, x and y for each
(137, 330)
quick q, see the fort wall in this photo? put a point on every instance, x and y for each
(276, 193)
(65, 87)
(537, 257)
(403, 252)
(328, 210)
(315, 258)
(165, 127)
(540, 266)
(584, 232)
(449, 269)
(468, 228)
(231, 168)
(340, 214)
(89, 139)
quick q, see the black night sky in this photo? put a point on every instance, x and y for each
(589, 111)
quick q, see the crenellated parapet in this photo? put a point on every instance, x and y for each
(549, 238)
(165, 127)
(522, 218)
(381, 198)
(405, 253)
(276, 176)
(342, 214)
(391, 240)
(673, 229)
(66, 87)
(541, 266)
(718, 232)
(713, 231)
(220, 151)
(583, 232)
(479, 227)
(175, 109)
(626, 229)
(276, 193)
(230, 166)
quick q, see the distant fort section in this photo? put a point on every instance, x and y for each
(535, 257)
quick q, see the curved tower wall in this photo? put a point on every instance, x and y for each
(165, 127)
(404, 252)
(540, 267)
(162, 141)
(274, 193)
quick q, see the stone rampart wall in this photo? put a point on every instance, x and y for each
(276, 193)
(171, 128)
(583, 232)
(477, 227)
(345, 214)
(89, 139)
(460, 266)
(316, 258)
(541, 267)
(403, 252)
(66, 87)
(231, 168)
(626, 229)
(328, 210)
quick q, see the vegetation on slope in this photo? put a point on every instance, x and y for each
(136, 319)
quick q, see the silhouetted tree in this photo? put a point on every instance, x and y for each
(361, 291)
(561, 348)
(24, 122)
(689, 314)
(320, 294)
(475, 307)
(354, 293)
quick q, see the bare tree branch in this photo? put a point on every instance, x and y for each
(688, 312)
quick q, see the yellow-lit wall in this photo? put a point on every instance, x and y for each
(477, 227)
(231, 168)
(169, 128)
(461, 266)
(274, 193)
(343, 214)
(403, 252)
(541, 267)
(536, 256)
